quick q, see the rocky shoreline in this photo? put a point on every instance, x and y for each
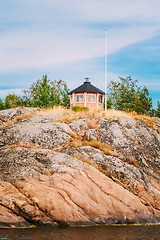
(84, 171)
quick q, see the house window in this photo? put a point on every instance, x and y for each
(91, 98)
(100, 98)
(79, 98)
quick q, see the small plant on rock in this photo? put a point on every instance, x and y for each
(79, 109)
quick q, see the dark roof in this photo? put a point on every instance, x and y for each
(87, 87)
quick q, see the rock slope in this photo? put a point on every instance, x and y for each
(85, 171)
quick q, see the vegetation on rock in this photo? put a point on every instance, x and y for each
(86, 170)
(124, 95)
(43, 93)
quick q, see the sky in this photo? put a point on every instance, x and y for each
(65, 39)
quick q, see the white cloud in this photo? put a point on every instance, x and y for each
(31, 49)
(116, 10)
(84, 10)
(5, 92)
(57, 32)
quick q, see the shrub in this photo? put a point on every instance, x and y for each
(78, 109)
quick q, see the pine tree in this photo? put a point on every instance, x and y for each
(158, 110)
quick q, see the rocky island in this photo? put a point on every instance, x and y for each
(66, 169)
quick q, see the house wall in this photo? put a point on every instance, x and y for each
(92, 106)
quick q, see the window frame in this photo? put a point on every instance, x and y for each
(89, 94)
(100, 95)
(80, 95)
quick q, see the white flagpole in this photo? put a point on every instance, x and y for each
(105, 70)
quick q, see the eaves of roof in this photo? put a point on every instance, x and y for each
(87, 87)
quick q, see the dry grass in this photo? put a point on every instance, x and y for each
(73, 116)
(105, 172)
(147, 121)
(25, 145)
(1, 119)
(54, 110)
(107, 149)
(111, 113)
(18, 118)
(93, 124)
(154, 183)
(31, 145)
(118, 179)
(42, 112)
(74, 135)
(144, 117)
(96, 114)
(133, 140)
(132, 161)
(115, 177)
(76, 143)
(88, 161)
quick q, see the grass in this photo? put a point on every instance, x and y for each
(18, 118)
(79, 109)
(118, 179)
(25, 145)
(1, 119)
(96, 114)
(147, 121)
(76, 143)
(41, 112)
(115, 177)
(68, 118)
(88, 161)
(111, 113)
(132, 161)
(71, 115)
(107, 149)
(93, 124)
(105, 172)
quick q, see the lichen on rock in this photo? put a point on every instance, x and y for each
(46, 180)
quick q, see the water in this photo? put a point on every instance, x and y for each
(85, 233)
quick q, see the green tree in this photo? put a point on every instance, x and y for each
(12, 101)
(39, 93)
(127, 96)
(158, 110)
(65, 96)
(145, 102)
(109, 103)
(45, 93)
(27, 101)
(61, 91)
(1, 105)
(52, 98)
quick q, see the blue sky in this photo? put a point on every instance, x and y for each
(65, 40)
